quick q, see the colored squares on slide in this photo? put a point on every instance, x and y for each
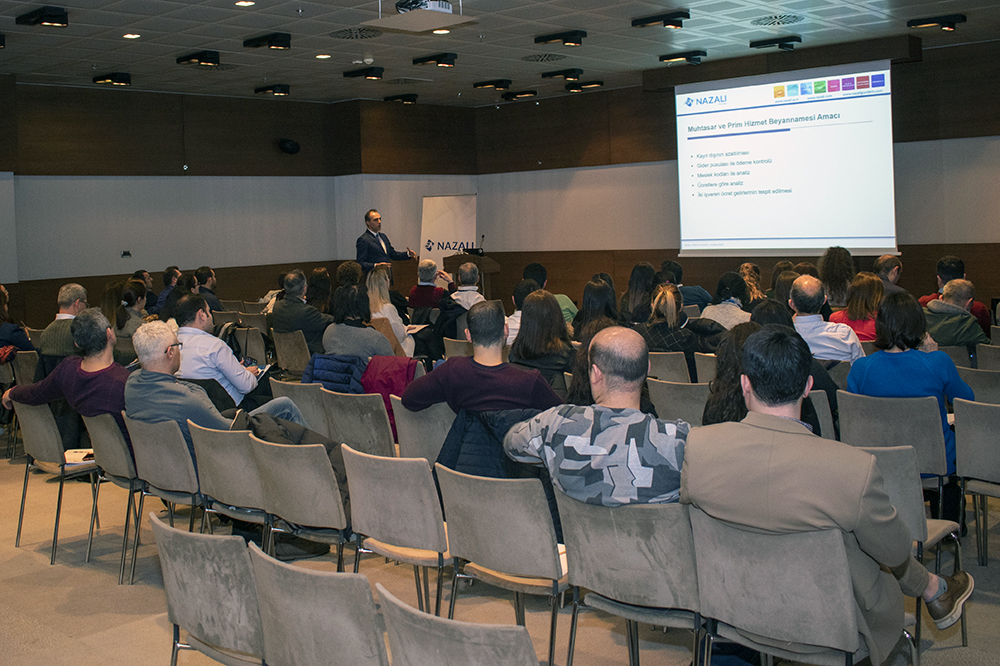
(862, 82)
(847, 84)
(806, 88)
(792, 89)
(819, 87)
(878, 80)
(779, 91)
(833, 85)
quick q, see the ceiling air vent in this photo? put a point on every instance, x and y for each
(543, 57)
(778, 19)
(356, 33)
(406, 81)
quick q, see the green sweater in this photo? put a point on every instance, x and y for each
(57, 340)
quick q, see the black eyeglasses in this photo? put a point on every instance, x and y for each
(176, 344)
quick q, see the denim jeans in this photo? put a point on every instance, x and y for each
(282, 408)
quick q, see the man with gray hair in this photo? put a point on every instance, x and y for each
(468, 291)
(828, 340)
(888, 268)
(608, 453)
(292, 313)
(949, 319)
(426, 293)
(56, 339)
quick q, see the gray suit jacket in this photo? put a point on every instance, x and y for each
(772, 474)
(291, 314)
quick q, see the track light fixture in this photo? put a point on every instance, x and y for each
(274, 40)
(690, 57)
(786, 43)
(567, 74)
(406, 98)
(521, 94)
(277, 89)
(370, 73)
(496, 84)
(3, 41)
(114, 78)
(580, 87)
(569, 38)
(672, 20)
(947, 22)
(439, 59)
(47, 15)
(207, 58)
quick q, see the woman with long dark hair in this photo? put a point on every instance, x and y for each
(543, 341)
(634, 305)
(128, 314)
(598, 301)
(730, 302)
(836, 270)
(725, 398)
(319, 289)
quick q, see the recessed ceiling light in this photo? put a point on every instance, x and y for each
(786, 43)
(277, 89)
(521, 94)
(568, 74)
(274, 40)
(114, 78)
(441, 31)
(568, 38)
(245, 3)
(690, 57)
(439, 59)
(131, 35)
(370, 73)
(672, 20)
(408, 98)
(496, 84)
(47, 15)
(944, 22)
(324, 56)
(207, 58)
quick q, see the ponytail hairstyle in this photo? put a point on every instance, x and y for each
(133, 292)
(667, 305)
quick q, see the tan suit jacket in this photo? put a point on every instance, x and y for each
(772, 474)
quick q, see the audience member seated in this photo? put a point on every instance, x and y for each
(521, 291)
(206, 287)
(482, 382)
(274, 295)
(128, 314)
(186, 284)
(318, 291)
(751, 275)
(11, 335)
(349, 273)
(170, 277)
(828, 341)
(91, 382)
(949, 321)
(537, 272)
(350, 334)
(779, 268)
(579, 388)
(731, 296)
(292, 314)
(805, 268)
(598, 301)
(951, 268)
(863, 298)
(543, 341)
(782, 292)
(146, 279)
(56, 340)
(769, 473)
(468, 294)
(725, 397)
(586, 448)
(888, 268)
(836, 270)
(670, 330)
(426, 293)
(634, 305)
(381, 306)
(908, 364)
(693, 294)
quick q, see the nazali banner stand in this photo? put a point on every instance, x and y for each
(448, 226)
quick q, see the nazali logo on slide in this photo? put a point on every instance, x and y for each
(430, 245)
(448, 245)
(708, 99)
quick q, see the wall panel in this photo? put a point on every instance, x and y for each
(417, 139)
(8, 123)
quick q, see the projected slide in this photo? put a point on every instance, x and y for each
(798, 161)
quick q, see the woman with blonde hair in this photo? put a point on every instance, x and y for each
(751, 275)
(863, 299)
(382, 307)
(670, 330)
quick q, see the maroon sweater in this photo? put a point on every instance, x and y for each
(426, 296)
(465, 384)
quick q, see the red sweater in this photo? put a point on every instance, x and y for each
(465, 384)
(427, 296)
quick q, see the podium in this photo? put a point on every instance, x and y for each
(487, 267)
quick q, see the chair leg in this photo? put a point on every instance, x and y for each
(24, 493)
(986, 523)
(919, 558)
(572, 627)
(696, 648)
(128, 519)
(519, 609)
(170, 513)
(191, 519)
(357, 551)
(914, 652)
(340, 556)
(55, 531)
(554, 603)
(135, 544)
(440, 582)
(95, 486)
(176, 646)
(958, 567)
(631, 640)
(709, 641)
(427, 590)
(95, 489)
(420, 594)
(454, 589)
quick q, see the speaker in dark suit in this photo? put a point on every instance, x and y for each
(373, 247)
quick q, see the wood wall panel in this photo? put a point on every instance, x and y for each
(642, 126)
(344, 150)
(8, 124)
(417, 139)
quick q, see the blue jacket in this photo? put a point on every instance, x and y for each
(336, 373)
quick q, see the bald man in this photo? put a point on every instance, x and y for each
(609, 453)
(827, 340)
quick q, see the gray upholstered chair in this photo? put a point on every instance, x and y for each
(821, 403)
(960, 355)
(705, 364)
(692, 310)
(978, 461)
(227, 474)
(869, 347)
(502, 529)
(43, 444)
(796, 599)
(638, 562)
(315, 618)
(292, 351)
(421, 434)
(252, 307)
(988, 357)
(309, 401)
(395, 512)
(678, 400)
(301, 494)
(112, 455)
(231, 306)
(898, 465)
(225, 317)
(985, 384)
(359, 420)
(251, 339)
(210, 592)
(453, 347)
(669, 367)
(838, 373)
(34, 335)
(419, 639)
(23, 365)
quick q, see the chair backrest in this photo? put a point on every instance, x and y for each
(821, 403)
(869, 347)
(988, 357)
(24, 367)
(308, 616)
(669, 367)
(901, 481)
(959, 354)
(292, 350)
(838, 373)
(678, 400)
(382, 325)
(308, 399)
(985, 384)
(162, 458)
(421, 434)
(110, 448)
(976, 428)
(252, 307)
(299, 484)
(791, 587)
(692, 310)
(501, 524)
(225, 317)
(231, 306)
(916, 422)
(256, 320)
(6, 374)
(461, 325)
(34, 335)
(419, 639)
(994, 333)
(252, 343)
(394, 500)
(227, 470)
(124, 352)
(210, 589)
(641, 554)
(454, 347)
(705, 364)
(359, 420)
(41, 435)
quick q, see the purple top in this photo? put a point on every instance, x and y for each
(465, 384)
(89, 393)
